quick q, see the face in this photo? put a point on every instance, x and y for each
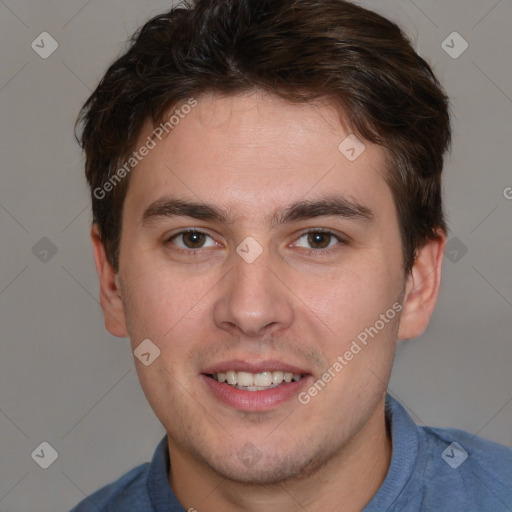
(287, 259)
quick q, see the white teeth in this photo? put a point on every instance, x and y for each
(277, 377)
(245, 379)
(263, 379)
(256, 381)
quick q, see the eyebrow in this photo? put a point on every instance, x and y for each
(327, 206)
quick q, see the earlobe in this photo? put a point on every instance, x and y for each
(110, 292)
(422, 288)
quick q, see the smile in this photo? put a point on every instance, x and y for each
(255, 381)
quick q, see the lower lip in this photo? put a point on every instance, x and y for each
(254, 400)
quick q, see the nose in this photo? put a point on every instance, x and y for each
(252, 300)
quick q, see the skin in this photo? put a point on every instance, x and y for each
(253, 154)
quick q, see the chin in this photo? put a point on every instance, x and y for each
(268, 469)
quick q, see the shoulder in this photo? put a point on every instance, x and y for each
(129, 492)
(468, 469)
(483, 456)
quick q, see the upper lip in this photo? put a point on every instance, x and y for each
(240, 365)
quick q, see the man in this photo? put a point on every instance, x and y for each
(266, 189)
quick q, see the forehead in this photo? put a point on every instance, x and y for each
(253, 153)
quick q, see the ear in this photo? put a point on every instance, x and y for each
(110, 293)
(422, 288)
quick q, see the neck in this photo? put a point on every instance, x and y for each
(347, 483)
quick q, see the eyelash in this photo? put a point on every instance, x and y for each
(316, 252)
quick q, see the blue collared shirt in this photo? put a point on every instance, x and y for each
(431, 470)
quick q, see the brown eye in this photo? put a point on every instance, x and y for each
(191, 240)
(316, 240)
(319, 240)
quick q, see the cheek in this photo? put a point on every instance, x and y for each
(159, 296)
(347, 299)
(176, 315)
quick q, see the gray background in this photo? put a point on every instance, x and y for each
(66, 381)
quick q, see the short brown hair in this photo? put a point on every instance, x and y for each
(299, 50)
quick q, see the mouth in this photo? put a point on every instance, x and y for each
(261, 381)
(253, 386)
